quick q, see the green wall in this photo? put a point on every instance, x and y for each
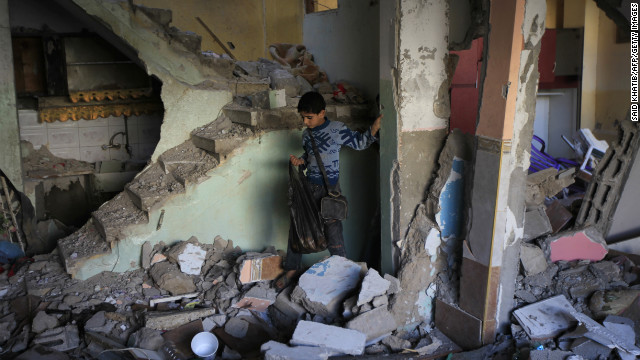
(245, 200)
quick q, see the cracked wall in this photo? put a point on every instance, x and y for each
(10, 162)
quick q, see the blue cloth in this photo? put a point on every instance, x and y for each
(330, 137)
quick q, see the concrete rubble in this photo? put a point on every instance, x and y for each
(231, 295)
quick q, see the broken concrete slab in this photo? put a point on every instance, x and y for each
(374, 323)
(146, 338)
(285, 312)
(190, 255)
(42, 321)
(264, 268)
(612, 302)
(547, 318)
(283, 79)
(323, 287)
(605, 336)
(589, 349)
(99, 323)
(394, 284)
(62, 339)
(170, 278)
(545, 183)
(536, 224)
(396, 344)
(585, 244)
(373, 285)
(42, 353)
(167, 320)
(274, 350)
(258, 298)
(342, 341)
(241, 115)
(236, 327)
(532, 259)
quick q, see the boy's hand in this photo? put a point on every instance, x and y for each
(296, 161)
(376, 125)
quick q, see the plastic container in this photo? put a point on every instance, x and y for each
(205, 345)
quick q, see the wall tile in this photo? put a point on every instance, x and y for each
(116, 121)
(63, 137)
(94, 136)
(62, 124)
(36, 137)
(93, 154)
(28, 119)
(66, 153)
(93, 123)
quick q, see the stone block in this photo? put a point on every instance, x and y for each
(169, 278)
(285, 312)
(394, 284)
(258, 298)
(189, 255)
(62, 339)
(167, 320)
(379, 301)
(536, 224)
(260, 269)
(585, 244)
(282, 79)
(42, 321)
(373, 285)
(342, 341)
(323, 287)
(236, 327)
(374, 323)
(260, 100)
(546, 319)
(240, 115)
(274, 350)
(396, 344)
(244, 88)
(532, 259)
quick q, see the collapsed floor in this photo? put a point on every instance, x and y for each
(336, 308)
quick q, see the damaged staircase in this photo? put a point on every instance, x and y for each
(190, 175)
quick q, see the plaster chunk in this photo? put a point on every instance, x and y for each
(323, 287)
(342, 341)
(586, 244)
(374, 323)
(189, 255)
(274, 350)
(43, 322)
(533, 259)
(373, 285)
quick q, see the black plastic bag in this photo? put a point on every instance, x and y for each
(307, 230)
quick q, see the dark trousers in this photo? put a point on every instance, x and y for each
(332, 232)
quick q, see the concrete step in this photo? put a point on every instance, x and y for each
(82, 245)
(152, 187)
(115, 215)
(280, 118)
(220, 141)
(187, 163)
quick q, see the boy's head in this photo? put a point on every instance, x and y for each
(312, 109)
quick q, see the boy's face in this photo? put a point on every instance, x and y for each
(312, 120)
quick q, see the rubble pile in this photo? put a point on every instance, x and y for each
(337, 307)
(572, 300)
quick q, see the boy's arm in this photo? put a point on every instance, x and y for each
(355, 139)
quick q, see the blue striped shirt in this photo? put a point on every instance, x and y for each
(330, 137)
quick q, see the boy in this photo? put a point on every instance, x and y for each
(329, 136)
